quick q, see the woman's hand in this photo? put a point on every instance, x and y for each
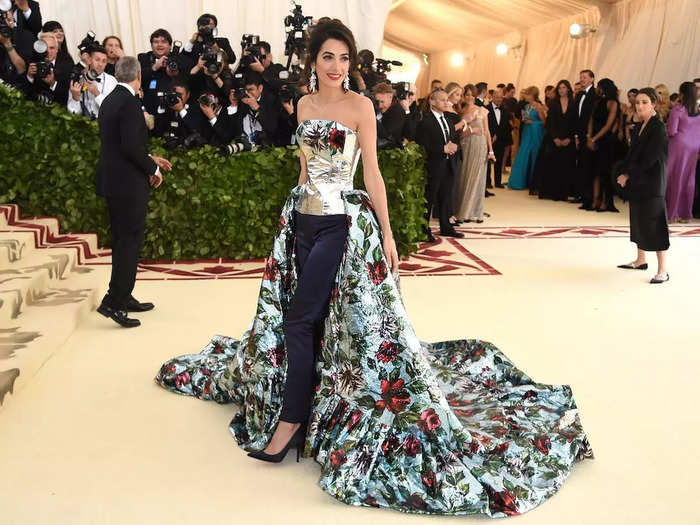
(622, 179)
(390, 253)
(492, 156)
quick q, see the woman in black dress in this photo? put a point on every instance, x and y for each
(560, 148)
(602, 141)
(643, 182)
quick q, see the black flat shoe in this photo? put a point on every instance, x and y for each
(118, 316)
(658, 281)
(297, 440)
(452, 233)
(586, 207)
(613, 210)
(135, 306)
(644, 266)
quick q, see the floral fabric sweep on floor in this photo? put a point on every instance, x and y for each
(444, 428)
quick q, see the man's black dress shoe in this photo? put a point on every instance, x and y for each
(577, 200)
(500, 186)
(586, 207)
(452, 233)
(134, 306)
(489, 194)
(430, 237)
(118, 316)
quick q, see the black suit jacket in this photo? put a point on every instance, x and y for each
(269, 116)
(223, 44)
(645, 162)
(124, 167)
(33, 24)
(227, 127)
(501, 131)
(429, 135)
(586, 111)
(390, 127)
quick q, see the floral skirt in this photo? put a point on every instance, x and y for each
(444, 428)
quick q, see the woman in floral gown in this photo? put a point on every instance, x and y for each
(443, 428)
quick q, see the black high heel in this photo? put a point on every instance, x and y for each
(297, 440)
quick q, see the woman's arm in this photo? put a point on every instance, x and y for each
(612, 114)
(367, 132)
(541, 111)
(673, 121)
(487, 131)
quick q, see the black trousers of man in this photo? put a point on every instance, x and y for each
(127, 215)
(584, 169)
(438, 194)
(499, 149)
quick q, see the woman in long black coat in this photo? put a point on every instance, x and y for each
(643, 183)
(559, 145)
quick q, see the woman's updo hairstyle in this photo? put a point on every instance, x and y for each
(325, 30)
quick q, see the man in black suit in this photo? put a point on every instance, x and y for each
(185, 118)
(501, 138)
(27, 15)
(390, 117)
(481, 89)
(440, 139)
(15, 54)
(262, 113)
(585, 102)
(124, 175)
(226, 123)
(206, 36)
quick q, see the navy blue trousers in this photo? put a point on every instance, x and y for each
(320, 243)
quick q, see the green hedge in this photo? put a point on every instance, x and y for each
(208, 206)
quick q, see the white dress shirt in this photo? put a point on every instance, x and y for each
(105, 86)
(497, 112)
(26, 14)
(580, 103)
(251, 124)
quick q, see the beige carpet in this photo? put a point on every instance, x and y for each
(92, 440)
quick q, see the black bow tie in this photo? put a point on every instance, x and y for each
(497, 107)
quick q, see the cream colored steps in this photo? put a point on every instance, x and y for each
(15, 245)
(48, 320)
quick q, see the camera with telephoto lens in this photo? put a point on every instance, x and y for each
(205, 32)
(5, 29)
(171, 62)
(238, 145)
(39, 53)
(403, 90)
(209, 100)
(251, 50)
(168, 99)
(383, 66)
(212, 60)
(87, 42)
(295, 25)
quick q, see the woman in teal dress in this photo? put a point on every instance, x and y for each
(534, 115)
(452, 427)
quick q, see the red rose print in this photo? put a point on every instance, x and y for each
(498, 417)
(371, 501)
(416, 502)
(429, 479)
(276, 355)
(182, 379)
(354, 419)
(282, 221)
(500, 431)
(542, 443)
(348, 221)
(394, 396)
(390, 444)
(429, 420)
(218, 349)
(474, 446)
(207, 387)
(366, 202)
(411, 446)
(387, 352)
(338, 457)
(377, 272)
(271, 270)
(171, 369)
(338, 413)
(490, 383)
(504, 502)
(335, 293)
(336, 138)
(500, 449)
(478, 352)
(530, 394)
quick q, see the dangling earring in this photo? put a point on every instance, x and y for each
(312, 80)
(346, 83)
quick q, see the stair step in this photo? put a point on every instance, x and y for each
(23, 281)
(48, 321)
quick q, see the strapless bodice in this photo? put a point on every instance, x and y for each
(332, 151)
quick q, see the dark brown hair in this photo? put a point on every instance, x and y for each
(326, 30)
(471, 88)
(689, 98)
(569, 91)
(104, 42)
(649, 92)
(383, 87)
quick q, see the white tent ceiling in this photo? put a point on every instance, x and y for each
(429, 26)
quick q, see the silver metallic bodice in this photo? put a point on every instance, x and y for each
(332, 152)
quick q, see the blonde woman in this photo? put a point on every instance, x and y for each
(476, 152)
(534, 114)
(663, 106)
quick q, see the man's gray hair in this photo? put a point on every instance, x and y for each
(127, 69)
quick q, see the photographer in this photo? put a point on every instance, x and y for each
(226, 122)
(263, 64)
(206, 37)
(47, 81)
(185, 121)
(412, 112)
(15, 52)
(115, 50)
(365, 62)
(211, 74)
(390, 116)
(90, 90)
(27, 15)
(262, 113)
